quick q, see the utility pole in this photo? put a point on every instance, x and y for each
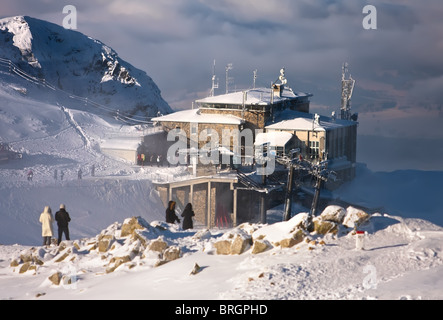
(321, 174)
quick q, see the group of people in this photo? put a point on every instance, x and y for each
(47, 220)
(62, 218)
(146, 159)
(187, 215)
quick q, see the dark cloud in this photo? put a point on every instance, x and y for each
(176, 41)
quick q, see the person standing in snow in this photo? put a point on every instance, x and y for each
(171, 217)
(47, 220)
(30, 175)
(62, 217)
(187, 215)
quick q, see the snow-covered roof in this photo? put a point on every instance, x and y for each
(275, 138)
(195, 116)
(293, 120)
(121, 144)
(258, 96)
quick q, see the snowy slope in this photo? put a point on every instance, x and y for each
(72, 63)
(402, 260)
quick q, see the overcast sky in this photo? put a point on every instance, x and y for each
(398, 67)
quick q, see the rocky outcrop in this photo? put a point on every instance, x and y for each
(234, 242)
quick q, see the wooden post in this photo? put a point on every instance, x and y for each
(208, 206)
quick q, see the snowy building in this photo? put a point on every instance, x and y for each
(256, 107)
(321, 138)
(275, 117)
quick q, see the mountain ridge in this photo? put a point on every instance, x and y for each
(76, 64)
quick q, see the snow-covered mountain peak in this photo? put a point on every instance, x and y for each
(21, 37)
(75, 64)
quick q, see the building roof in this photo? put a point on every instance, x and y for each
(258, 96)
(275, 138)
(122, 143)
(300, 121)
(195, 116)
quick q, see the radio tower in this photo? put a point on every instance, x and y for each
(347, 87)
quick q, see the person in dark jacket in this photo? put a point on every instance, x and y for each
(62, 217)
(187, 215)
(171, 217)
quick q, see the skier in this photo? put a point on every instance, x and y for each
(80, 174)
(62, 217)
(171, 217)
(46, 220)
(187, 215)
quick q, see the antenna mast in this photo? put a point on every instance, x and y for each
(347, 87)
(255, 77)
(214, 85)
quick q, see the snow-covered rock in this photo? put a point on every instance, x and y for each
(355, 217)
(333, 213)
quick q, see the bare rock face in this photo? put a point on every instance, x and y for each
(240, 244)
(323, 227)
(104, 242)
(171, 253)
(296, 237)
(56, 278)
(260, 246)
(158, 245)
(130, 225)
(223, 247)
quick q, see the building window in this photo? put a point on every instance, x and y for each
(314, 148)
(194, 128)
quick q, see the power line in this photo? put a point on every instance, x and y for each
(120, 115)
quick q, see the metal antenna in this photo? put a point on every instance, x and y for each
(347, 87)
(214, 85)
(228, 67)
(255, 77)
